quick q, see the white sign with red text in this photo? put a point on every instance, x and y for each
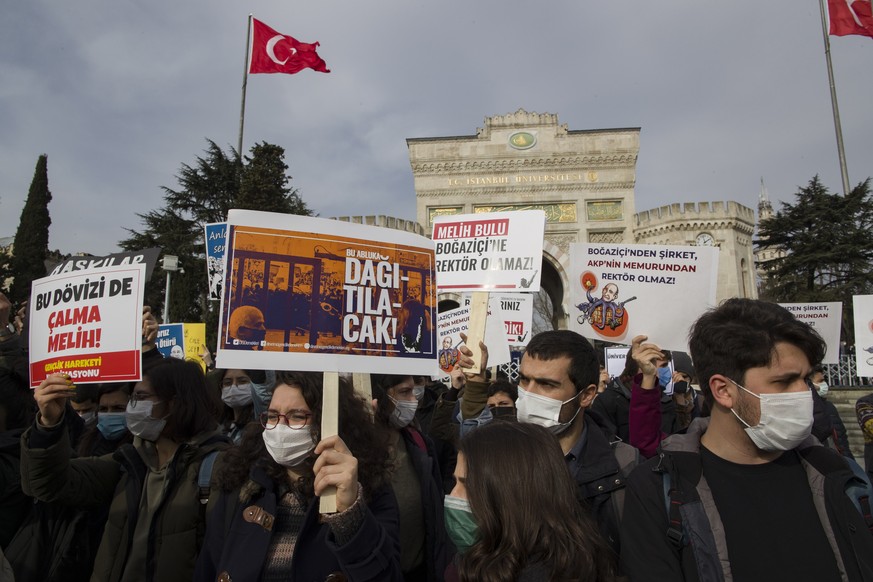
(88, 324)
(619, 291)
(826, 319)
(495, 251)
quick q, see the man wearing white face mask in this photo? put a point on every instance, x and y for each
(749, 494)
(558, 379)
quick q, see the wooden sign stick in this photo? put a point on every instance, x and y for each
(329, 428)
(364, 389)
(476, 329)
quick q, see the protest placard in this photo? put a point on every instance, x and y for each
(171, 340)
(305, 293)
(148, 257)
(863, 310)
(214, 236)
(452, 323)
(184, 341)
(620, 291)
(826, 319)
(195, 341)
(615, 357)
(489, 252)
(516, 312)
(88, 324)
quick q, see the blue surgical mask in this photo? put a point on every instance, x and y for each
(112, 425)
(665, 376)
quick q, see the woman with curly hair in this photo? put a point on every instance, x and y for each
(513, 513)
(266, 524)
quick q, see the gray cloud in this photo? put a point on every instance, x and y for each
(119, 95)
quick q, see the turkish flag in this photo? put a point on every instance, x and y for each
(850, 17)
(273, 52)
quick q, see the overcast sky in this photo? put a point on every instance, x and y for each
(120, 94)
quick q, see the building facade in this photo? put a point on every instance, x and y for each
(584, 180)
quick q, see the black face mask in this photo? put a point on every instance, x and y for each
(251, 334)
(503, 412)
(680, 387)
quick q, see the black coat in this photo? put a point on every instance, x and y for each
(236, 549)
(439, 550)
(600, 480)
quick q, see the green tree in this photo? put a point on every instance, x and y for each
(216, 182)
(30, 247)
(827, 246)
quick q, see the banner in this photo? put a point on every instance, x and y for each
(303, 293)
(863, 305)
(214, 236)
(148, 257)
(490, 251)
(615, 358)
(621, 291)
(88, 324)
(183, 341)
(516, 312)
(451, 324)
(826, 319)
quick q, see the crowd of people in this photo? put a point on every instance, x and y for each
(741, 471)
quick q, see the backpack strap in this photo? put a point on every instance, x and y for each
(204, 477)
(858, 489)
(628, 458)
(673, 501)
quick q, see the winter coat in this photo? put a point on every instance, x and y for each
(176, 532)
(235, 548)
(604, 466)
(438, 548)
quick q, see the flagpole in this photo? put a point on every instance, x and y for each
(242, 109)
(842, 153)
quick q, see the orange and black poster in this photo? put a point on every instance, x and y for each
(303, 293)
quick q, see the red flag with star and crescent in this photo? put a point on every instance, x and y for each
(850, 17)
(273, 52)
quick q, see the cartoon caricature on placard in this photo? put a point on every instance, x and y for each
(605, 314)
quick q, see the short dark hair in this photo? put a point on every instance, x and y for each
(504, 386)
(741, 334)
(86, 392)
(182, 384)
(550, 345)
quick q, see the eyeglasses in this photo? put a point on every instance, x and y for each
(134, 398)
(295, 419)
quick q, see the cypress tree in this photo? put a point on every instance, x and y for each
(31, 240)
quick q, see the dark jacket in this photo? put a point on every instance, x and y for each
(48, 474)
(14, 504)
(613, 405)
(864, 412)
(600, 480)
(827, 426)
(649, 554)
(438, 548)
(235, 549)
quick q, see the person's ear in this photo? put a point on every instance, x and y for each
(724, 392)
(586, 396)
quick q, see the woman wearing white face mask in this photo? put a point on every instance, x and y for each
(266, 524)
(416, 480)
(156, 518)
(236, 395)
